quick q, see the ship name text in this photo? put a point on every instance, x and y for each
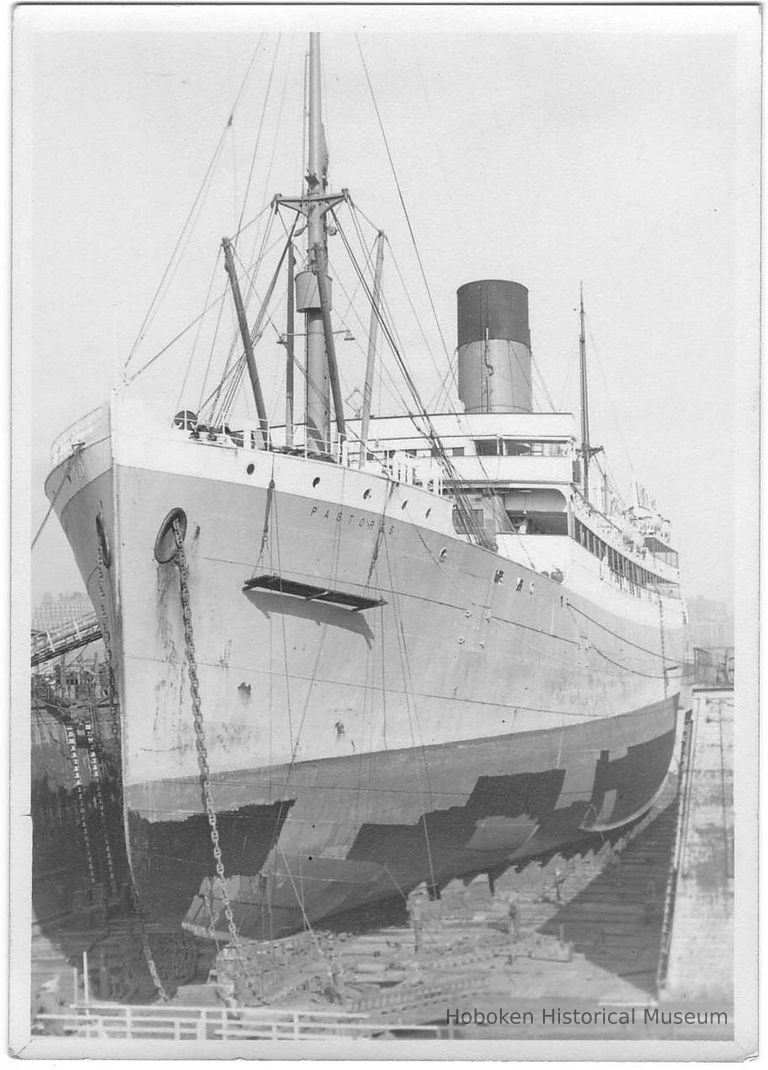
(348, 519)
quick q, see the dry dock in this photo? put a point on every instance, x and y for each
(610, 941)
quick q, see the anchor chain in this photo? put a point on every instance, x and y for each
(111, 687)
(180, 560)
(82, 806)
(115, 719)
(95, 768)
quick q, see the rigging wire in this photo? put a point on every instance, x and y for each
(185, 330)
(471, 527)
(393, 387)
(409, 695)
(258, 138)
(258, 329)
(175, 257)
(233, 346)
(197, 202)
(593, 349)
(222, 306)
(356, 210)
(462, 500)
(616, 635)
(54, 499)
(400, 193)
(197, 338)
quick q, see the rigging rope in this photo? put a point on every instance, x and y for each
(616, 635)
(195, 205)
(55, 497)
(450, 373)
(400, 195)
(471, 528)
(409, 694)
(147, 364)
(258, 138)
(197, 338)
(611, 404)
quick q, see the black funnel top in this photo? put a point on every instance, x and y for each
(499, 306)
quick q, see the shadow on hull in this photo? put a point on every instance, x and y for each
(281, 875)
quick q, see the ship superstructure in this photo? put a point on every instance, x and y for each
(358, 654)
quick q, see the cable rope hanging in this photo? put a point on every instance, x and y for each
(408, 691)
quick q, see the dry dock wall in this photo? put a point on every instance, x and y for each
(700, 959)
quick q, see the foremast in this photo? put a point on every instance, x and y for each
(313, 284)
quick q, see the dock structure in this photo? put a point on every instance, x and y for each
(71, 635)
(698, 959)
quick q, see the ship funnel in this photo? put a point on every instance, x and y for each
(494, 347)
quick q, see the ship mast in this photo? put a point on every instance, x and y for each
(318, 412)
(313, 286)
(584, 398)
(587, 451)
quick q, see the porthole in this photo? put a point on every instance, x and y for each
(165, 543)
(519, 583)
(250, 469)
(101, 535)
(443, 553)
(428, 511)
(367, 493)
(498, 576)
(315, 481)
(404, 504)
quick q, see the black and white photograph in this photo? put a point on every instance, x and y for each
(385, 505)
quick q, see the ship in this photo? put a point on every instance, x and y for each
(357, 653)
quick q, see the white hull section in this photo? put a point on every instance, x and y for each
(455, 651)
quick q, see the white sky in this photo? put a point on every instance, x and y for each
(617, 146)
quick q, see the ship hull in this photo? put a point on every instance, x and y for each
(466, 699)
(397, 819)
